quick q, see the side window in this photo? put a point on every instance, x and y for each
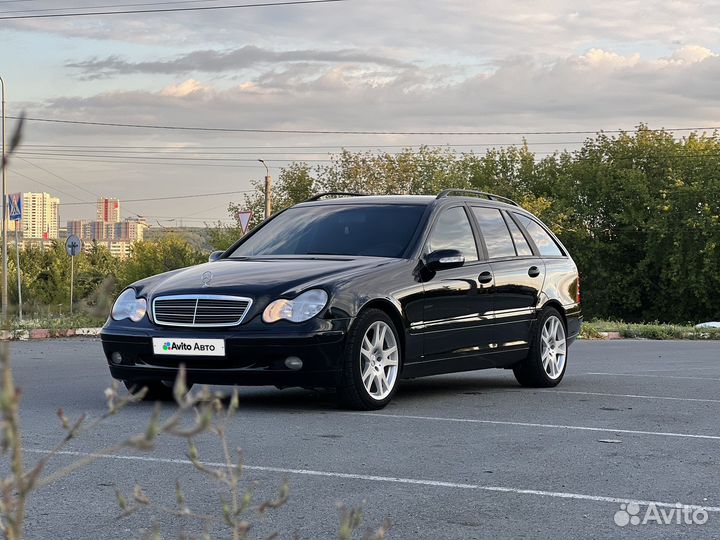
(452, 231)
(495, 232)
(521, 246)
(544, 242)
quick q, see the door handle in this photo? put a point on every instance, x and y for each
(533, 271)
(485, 277)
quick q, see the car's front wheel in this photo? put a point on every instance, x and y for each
(156, 390)
(547, 359)
(371, 364)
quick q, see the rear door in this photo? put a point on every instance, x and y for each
(519, 274)
(457, 328)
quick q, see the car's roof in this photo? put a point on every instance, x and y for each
(420, 200)
(375, 199)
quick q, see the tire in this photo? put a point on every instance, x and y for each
(156, 390)
(371, 362)
(546, 361)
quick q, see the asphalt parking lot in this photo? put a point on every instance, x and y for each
(456, 456)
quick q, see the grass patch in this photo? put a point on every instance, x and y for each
(655, 330)
(62, 322)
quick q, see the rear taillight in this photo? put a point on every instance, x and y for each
(577, 290)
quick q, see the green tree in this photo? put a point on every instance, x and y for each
(149, 258)
(221, 236)
(640, 211)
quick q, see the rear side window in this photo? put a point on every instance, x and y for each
(544, 242)
(521, 246)
(452, 231)
(495, 232)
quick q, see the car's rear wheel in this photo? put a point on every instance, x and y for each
(156, 390)
(547, 359)
(371, 364)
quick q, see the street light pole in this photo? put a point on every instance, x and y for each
(4, 209)
(268, 190)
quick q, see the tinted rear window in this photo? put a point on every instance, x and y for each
(495, 232)
(544, 242)
(521, 246)
(362, 230)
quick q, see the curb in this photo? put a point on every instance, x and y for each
(610, 335)
(603, 336)
(45, 333)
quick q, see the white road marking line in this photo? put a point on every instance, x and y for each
(653, 376)
(636, 396)
(390, 479)
(684, 368)
(546, 426)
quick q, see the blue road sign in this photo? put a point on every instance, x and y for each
(15, 206)
(73, 245)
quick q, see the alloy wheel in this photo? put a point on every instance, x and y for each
(379, 360)
(553, 347)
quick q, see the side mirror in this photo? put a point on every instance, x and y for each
(444, 258)
(215, 255)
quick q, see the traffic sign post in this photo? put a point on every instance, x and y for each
(15, 206)
(73, 246)
(15, 211)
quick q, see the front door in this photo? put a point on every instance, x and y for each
(457, 326)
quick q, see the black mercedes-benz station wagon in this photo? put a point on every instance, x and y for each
(355, 292)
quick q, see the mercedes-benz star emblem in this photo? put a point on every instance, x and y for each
(206, 278)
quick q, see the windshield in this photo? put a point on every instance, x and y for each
(368, 230)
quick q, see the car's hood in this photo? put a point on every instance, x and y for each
(258, 277)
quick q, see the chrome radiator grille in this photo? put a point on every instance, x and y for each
(200, 310)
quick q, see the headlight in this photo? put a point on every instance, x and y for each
(302, 308)
(127, 306)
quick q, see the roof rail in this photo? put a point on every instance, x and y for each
(334, 193)
(489, 196)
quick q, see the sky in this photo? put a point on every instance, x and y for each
(356, 65)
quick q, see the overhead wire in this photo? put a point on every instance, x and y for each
(74, 184)
(238, 162)
(106, 6)
(167, 10)
(40, 182)
(353, 132)
(129, 148)
(172, 197)
(78, 186)
(186, 164)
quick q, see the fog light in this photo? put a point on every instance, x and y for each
(116, 358)
(293, 362)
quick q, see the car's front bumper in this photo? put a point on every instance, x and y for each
(252, 356)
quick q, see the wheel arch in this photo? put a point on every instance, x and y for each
(559, 307)
(392, 311)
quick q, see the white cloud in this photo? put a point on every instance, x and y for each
(185, 88)
(691, 54)
(601, 59)
(597, 89)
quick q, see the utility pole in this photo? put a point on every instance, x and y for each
(268, 190)
(17, 268)
(4, 210)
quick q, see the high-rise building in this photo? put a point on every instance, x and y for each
(76, 227)
(131, 230)
(108, 230)
(108, 210)
(40, 216)
(95, 230)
